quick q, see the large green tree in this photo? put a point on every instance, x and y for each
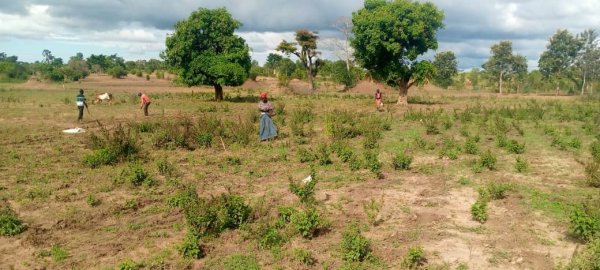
(446, 67)
(307, 53)
(588, 60)
(560, 56)
(204, 50)
(390, 36)
(503, 64)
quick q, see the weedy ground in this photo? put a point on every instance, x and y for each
(452, 181)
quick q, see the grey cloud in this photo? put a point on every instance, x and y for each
(13, 7)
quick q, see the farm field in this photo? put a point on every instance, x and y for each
(454, 180)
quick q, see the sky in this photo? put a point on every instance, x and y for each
(136, 29)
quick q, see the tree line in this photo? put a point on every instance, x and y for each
(52, 68)
(384, 40)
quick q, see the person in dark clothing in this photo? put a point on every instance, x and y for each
(81, 103)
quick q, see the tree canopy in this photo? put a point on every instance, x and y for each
(446, 67)
(502, 63)
(307, 53)
(389, 37)
(204, 50)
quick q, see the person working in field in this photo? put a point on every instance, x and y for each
(81, 102)
(145, 102)
(378, 100)
(267, 128)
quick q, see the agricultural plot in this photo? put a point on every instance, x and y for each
(448, 182)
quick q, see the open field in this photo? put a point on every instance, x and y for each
(407, 177)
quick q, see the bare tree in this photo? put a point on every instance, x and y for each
(343, 50)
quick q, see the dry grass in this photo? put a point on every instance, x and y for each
(46, 183)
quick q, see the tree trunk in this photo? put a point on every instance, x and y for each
(218, 92)
(403, 94)
(311, 80)
(583, 84)
(500, 83)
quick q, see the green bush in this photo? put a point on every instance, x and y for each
(92, 201)
(146, 127)
(10, 224)
(515, 147)
(575, 143)
(587, 258)
(521, 165)
(117, 72)
(585, 223)
(191, 248)
(100, 157)
(479, 211)
(471, 147)
(304, 256)
(307, 222)
(345, 153)
(211, 216)
(305, 191)
(487, 160)
(165, 168)
(372, 162)
(130, 264)
(370, 140)
(111, 147)
(270, 238)
(355, 247)
(285, 214)
(204, 139)
(323, 153)
(237, 262)
(495, 191)
(136, 175)
(415, 258)
(402, 161)
(592, 171)
(450, 149)
(306, 155)
(354, 163)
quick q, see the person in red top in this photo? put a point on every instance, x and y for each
(378, 100)
(145, 102)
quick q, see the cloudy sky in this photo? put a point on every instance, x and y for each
(136, 29)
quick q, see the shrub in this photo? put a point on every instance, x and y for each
(402, 161)
(100, 157)
(10, 224)
(487, 160)
(136, 175)
(471, 147)
(130, 264)
(165, 167)
(191, 248)
(495, 191)
(585, 223)
(308, 222)
(146, 127)
(479, 211)
(514, 147)
(450, 149)
(112, 146)
(286, 213)
(415, 258)
(588, 258)
(92, 201)
(595, 151)
(304, 256)
(306, 155)
(212, 216)
(370, 141)
(521, 165)
(204, 139)
(345, 153)
(354, 163)
(592, 171)
(372, 163)
(575, 143)
(117, 72)
(270, 238)
(235, 262)
(305, 191)
(324, 154)
(355, 247)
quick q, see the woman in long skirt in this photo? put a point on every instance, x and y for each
(267, 128)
